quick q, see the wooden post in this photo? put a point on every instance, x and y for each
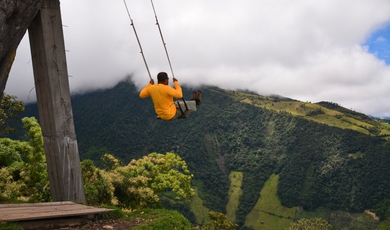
(54, 104)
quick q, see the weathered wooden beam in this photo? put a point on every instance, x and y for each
(54, 103)
(15, 17)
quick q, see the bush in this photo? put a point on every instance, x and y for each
(97, 187)
(160, 219)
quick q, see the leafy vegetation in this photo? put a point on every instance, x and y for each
(160, 219)
(23, 174)
(138, 184)
(10, 108)
(310, 224)
(24, 178)
(10, 226)
(332, 158)
(358, 221)
(328, 113)
(218, 221)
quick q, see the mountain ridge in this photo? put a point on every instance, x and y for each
(319, 165)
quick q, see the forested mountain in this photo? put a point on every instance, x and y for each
(326, 155)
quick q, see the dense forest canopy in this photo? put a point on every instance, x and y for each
(320, 165)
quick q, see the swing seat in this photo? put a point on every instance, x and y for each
(184, 115)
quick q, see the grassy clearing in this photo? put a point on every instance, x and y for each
(200, 211)
(235, 192)
(268, 212)
(326, 116)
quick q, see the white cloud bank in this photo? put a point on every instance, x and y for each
(306, 50)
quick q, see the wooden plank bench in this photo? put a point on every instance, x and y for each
(33, 213)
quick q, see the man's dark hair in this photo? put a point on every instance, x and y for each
(162, 76)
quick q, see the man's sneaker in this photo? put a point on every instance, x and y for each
(199, 96)
(194, 95)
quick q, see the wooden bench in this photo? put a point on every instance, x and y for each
(48, 215)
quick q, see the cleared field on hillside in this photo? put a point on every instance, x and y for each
(235, 192)
(200, 211)
(268, 213)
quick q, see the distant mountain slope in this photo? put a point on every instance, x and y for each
(325, 156)
(322, 112)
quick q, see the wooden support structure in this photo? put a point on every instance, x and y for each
(54, 103)
(15, 17)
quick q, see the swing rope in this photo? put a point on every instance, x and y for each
(165, 47)
(136, 35)
(162, 38)
(166, 52)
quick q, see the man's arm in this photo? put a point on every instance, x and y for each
(145, 92)
(177, 91)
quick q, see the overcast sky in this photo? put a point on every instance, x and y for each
(323, 50)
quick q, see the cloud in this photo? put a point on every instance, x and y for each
(381, 39)
(306, 50)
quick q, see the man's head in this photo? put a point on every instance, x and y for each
(162, 77)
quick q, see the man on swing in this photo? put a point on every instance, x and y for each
(162, 96)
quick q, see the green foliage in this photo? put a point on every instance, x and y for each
(10, 108)
(35, 169)
(321, 212)
(114, 214)
(321, 160)
(218, 221)
(23, 174)
(348, 112)
(382, 209)
(168, 202)
(310, 224)
(138, 183)
(97, 188)
(355, 221)
(10, 226)
(110, 162)
(160, 219)
(315, 112)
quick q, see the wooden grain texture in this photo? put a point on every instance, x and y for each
(54, 104)
(15, 17)
(23, 212)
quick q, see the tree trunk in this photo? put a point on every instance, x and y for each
(15, 17)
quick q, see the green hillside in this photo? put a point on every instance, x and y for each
(324, 155)
(323, 112)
